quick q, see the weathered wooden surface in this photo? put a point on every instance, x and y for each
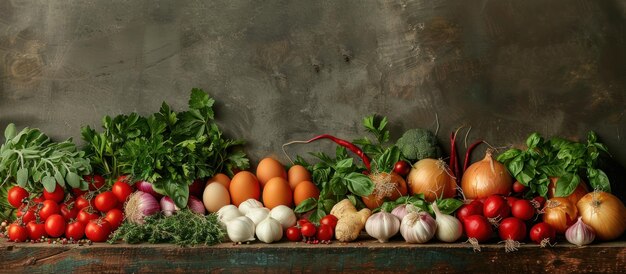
(362, 257)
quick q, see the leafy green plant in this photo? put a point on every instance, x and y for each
(446, 206)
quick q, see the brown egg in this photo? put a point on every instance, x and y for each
(297, 174)
(277, 192)
(244, 186)
(305, 190)
(215, 196)
(220, 178)
(269, 168)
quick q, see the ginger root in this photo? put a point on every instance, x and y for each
(350, 222)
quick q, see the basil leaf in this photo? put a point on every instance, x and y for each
(448, 206)
(508, 155)
(306, 205)
(566, 185)
(178, 194)
(328, 204)
(337, 186)
(516, 165)
(359, 184)
(599, 181)
(344, 166)
(552, 170)
(352, 199)
(533, 140)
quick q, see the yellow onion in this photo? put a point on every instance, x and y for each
(485, 178)
(605, 213)
(432, 178)
(578, 193)
(387, 187)
(560, 213)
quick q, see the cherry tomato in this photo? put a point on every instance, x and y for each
(57, 195)
(469, 210)
(542, 231)
(402, 168)
(293, 234)
(69, 210)
(115, 218)
(39, 199)
(95, 182)
(308, 230)
(325, 233)
(87, 214)
(77, 192)
(121, 190)
(302, 222)
(27, 215)
(16, 195)
(17, 232)
(105, 201)
(477, 226)
(36, 230)
(81, 202)
(511, 200)
(55, 226)
(518, 187)
(49, 208)
(98, 230)
(75, 230)
(495, 206)
(330, 220)
(512, 229)
(523, 210)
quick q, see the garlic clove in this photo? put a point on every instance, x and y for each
(580, 233)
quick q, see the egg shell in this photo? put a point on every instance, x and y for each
(215, 196)
(244, 186)
(221, 178)
(277, 192)
(305, 190)
(269, 168)
(297, 174)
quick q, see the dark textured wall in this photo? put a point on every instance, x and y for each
(285, 70)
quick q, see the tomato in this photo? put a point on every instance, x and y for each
(81, 202)
(518, 187)
(55, 226)
(330, 220)
(95, 182)
(57, 195)
(496, 206)
(77, 192)
(538, 202)
(69, 210)
(105, 201)
(478, 227)
(27, 215)
(308, 230)
(468, 210)
(115, 218)
(523, 210)
(36, 230)
(17, 232)
(512, 229)
(16, 195)
(541, 232)
(511, 200)
(325, 232)
(293, 234)
(75, 230)
(302, 222)
(121, 190)
(49, 208)
(402, 168)
(39, 199)
(98, 230)
(87, 214)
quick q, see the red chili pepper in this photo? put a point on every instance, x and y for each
(468, 153)
(454, 163)
(352, 147)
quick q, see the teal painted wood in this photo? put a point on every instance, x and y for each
(291, 257)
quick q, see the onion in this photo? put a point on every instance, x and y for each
(195, 205)
(140, 205)
(578, 193)
(560, 213)
(387, 187)
(485, 178)
(605, 213)
(146, 187)
(168, 207)
(432, 178)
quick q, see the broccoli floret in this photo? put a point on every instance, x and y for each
(419, 143)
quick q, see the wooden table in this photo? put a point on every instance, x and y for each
(363, 256)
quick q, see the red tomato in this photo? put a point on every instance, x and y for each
(293, 234)
(511, 200)
(512, 229)
(75, 230)
(541, 232)
(87, 214)
(16, 195)
(115, 218)
(17, 232)
(81, 202)
(478, 227)
(27, 215)
(538, 202)
(302, 222)
(325, 233)
(402, 168)
(330, 220)
(308, 230)
(98, 230)
(495, 206)
(518, 187)
(468, 210)
(36, 231)
(49, 208)
(523, 209)
(77, 192)
(57, 195)
(55, 226)
(105, 201)
(95, 182)
(39, 199)
(121, 190)
(69, 210)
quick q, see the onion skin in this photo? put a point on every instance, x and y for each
(605, 213)
(560, 213)
(578, 193)
(373, 200)
(433, 179)
(485, 178)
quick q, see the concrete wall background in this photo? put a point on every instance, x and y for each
(288, 70)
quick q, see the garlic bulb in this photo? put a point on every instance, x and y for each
(580, 233)
(227, 213)
(269, 230)
(249, 204)
(257, 214)
(449, 228)
(382, 226)
(240, 229)
(284, 215)
(400, 211)
(418, 227)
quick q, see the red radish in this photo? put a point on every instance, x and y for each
(543, 234)
(196, 188)
(496, 206)
(523, 210)
(468, 210)
(518, 187)
(512, 230)
(338, 141)
(511, 200)
(478, 203)
(477, 227)
(538, 202)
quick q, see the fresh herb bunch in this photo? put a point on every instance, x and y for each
(556, 157)
(30, 159)
(184, 228)
(169, 149)
(446, 206)
(377, 126)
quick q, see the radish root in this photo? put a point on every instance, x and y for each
(510, 245)
(474, 243)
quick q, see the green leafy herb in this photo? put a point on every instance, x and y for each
(377, 126)
(446, 206)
